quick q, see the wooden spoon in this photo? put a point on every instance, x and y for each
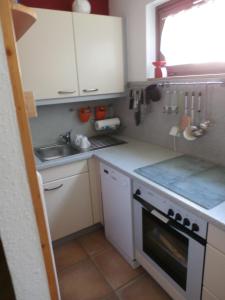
(185, 120)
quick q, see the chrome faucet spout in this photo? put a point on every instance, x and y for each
(66, 138)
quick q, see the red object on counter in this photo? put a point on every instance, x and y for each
(84, 114)
(160, 68)
(100, 113)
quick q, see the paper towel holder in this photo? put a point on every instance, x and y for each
(106, 131)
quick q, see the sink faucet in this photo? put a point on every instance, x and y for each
(66, 137)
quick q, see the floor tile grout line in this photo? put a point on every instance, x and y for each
(130, 282)
(100, 271)
(117, 291)
(101, 252)
(114, 290)
(72, 265)
(90, 257)
(96, 253)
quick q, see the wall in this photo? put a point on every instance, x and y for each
(140, 41)
(100, 7)
(139, 24)
(18, 227)
(156, 125)
(54, 120)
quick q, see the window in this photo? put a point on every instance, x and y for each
(190, 36)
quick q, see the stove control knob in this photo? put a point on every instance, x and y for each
(178, 217)
(186, 222)
(170, 213)
(195, 227)
(138, 192)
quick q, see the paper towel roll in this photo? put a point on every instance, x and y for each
(107, 124)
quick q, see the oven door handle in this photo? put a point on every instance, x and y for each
(159, 216)
(167, 221)
(172, 224)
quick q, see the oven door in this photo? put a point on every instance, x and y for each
(178, 255)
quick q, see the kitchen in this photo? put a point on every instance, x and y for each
(157, 192)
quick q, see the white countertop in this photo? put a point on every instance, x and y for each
(135, 154)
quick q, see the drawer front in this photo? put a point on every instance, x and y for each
(63, 171)
(206, 295)
(215, 272)
(216, 237)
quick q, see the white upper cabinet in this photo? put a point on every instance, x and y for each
(99, 48)
(65, 50)
(47, 56)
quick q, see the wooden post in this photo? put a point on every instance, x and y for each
(10, 46)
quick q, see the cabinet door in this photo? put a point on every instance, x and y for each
(215, 272)
(68, 204)
(47, 56)
(99, 48)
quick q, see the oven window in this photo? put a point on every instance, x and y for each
(167, 247)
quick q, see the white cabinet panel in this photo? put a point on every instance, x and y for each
(216, 237)
(99, 48)
(95, 185)
(206, 295)
(117, 208)
(47, 56)
(63, 171)
(215, 272)
(68, 204)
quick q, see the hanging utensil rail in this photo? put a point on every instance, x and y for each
(166, 83)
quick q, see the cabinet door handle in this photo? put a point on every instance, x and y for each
(66, 92)
(55, 188)
(90, 90)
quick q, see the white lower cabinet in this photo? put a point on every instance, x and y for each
(68, 204)
(214, 275)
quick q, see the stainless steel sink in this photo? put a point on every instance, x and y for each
(56, 151)
(51, 152)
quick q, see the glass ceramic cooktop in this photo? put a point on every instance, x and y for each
(195, 179)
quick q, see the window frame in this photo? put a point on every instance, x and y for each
(172, 7)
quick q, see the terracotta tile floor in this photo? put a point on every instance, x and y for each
(89, 268)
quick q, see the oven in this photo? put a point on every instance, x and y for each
(168, 245)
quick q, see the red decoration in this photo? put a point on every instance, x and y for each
(100, 112)
(84, 114)
(160, 68)
(97, 7)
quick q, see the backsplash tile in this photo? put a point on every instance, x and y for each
(54, 120)
(156, 125)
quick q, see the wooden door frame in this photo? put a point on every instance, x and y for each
(23, 124)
